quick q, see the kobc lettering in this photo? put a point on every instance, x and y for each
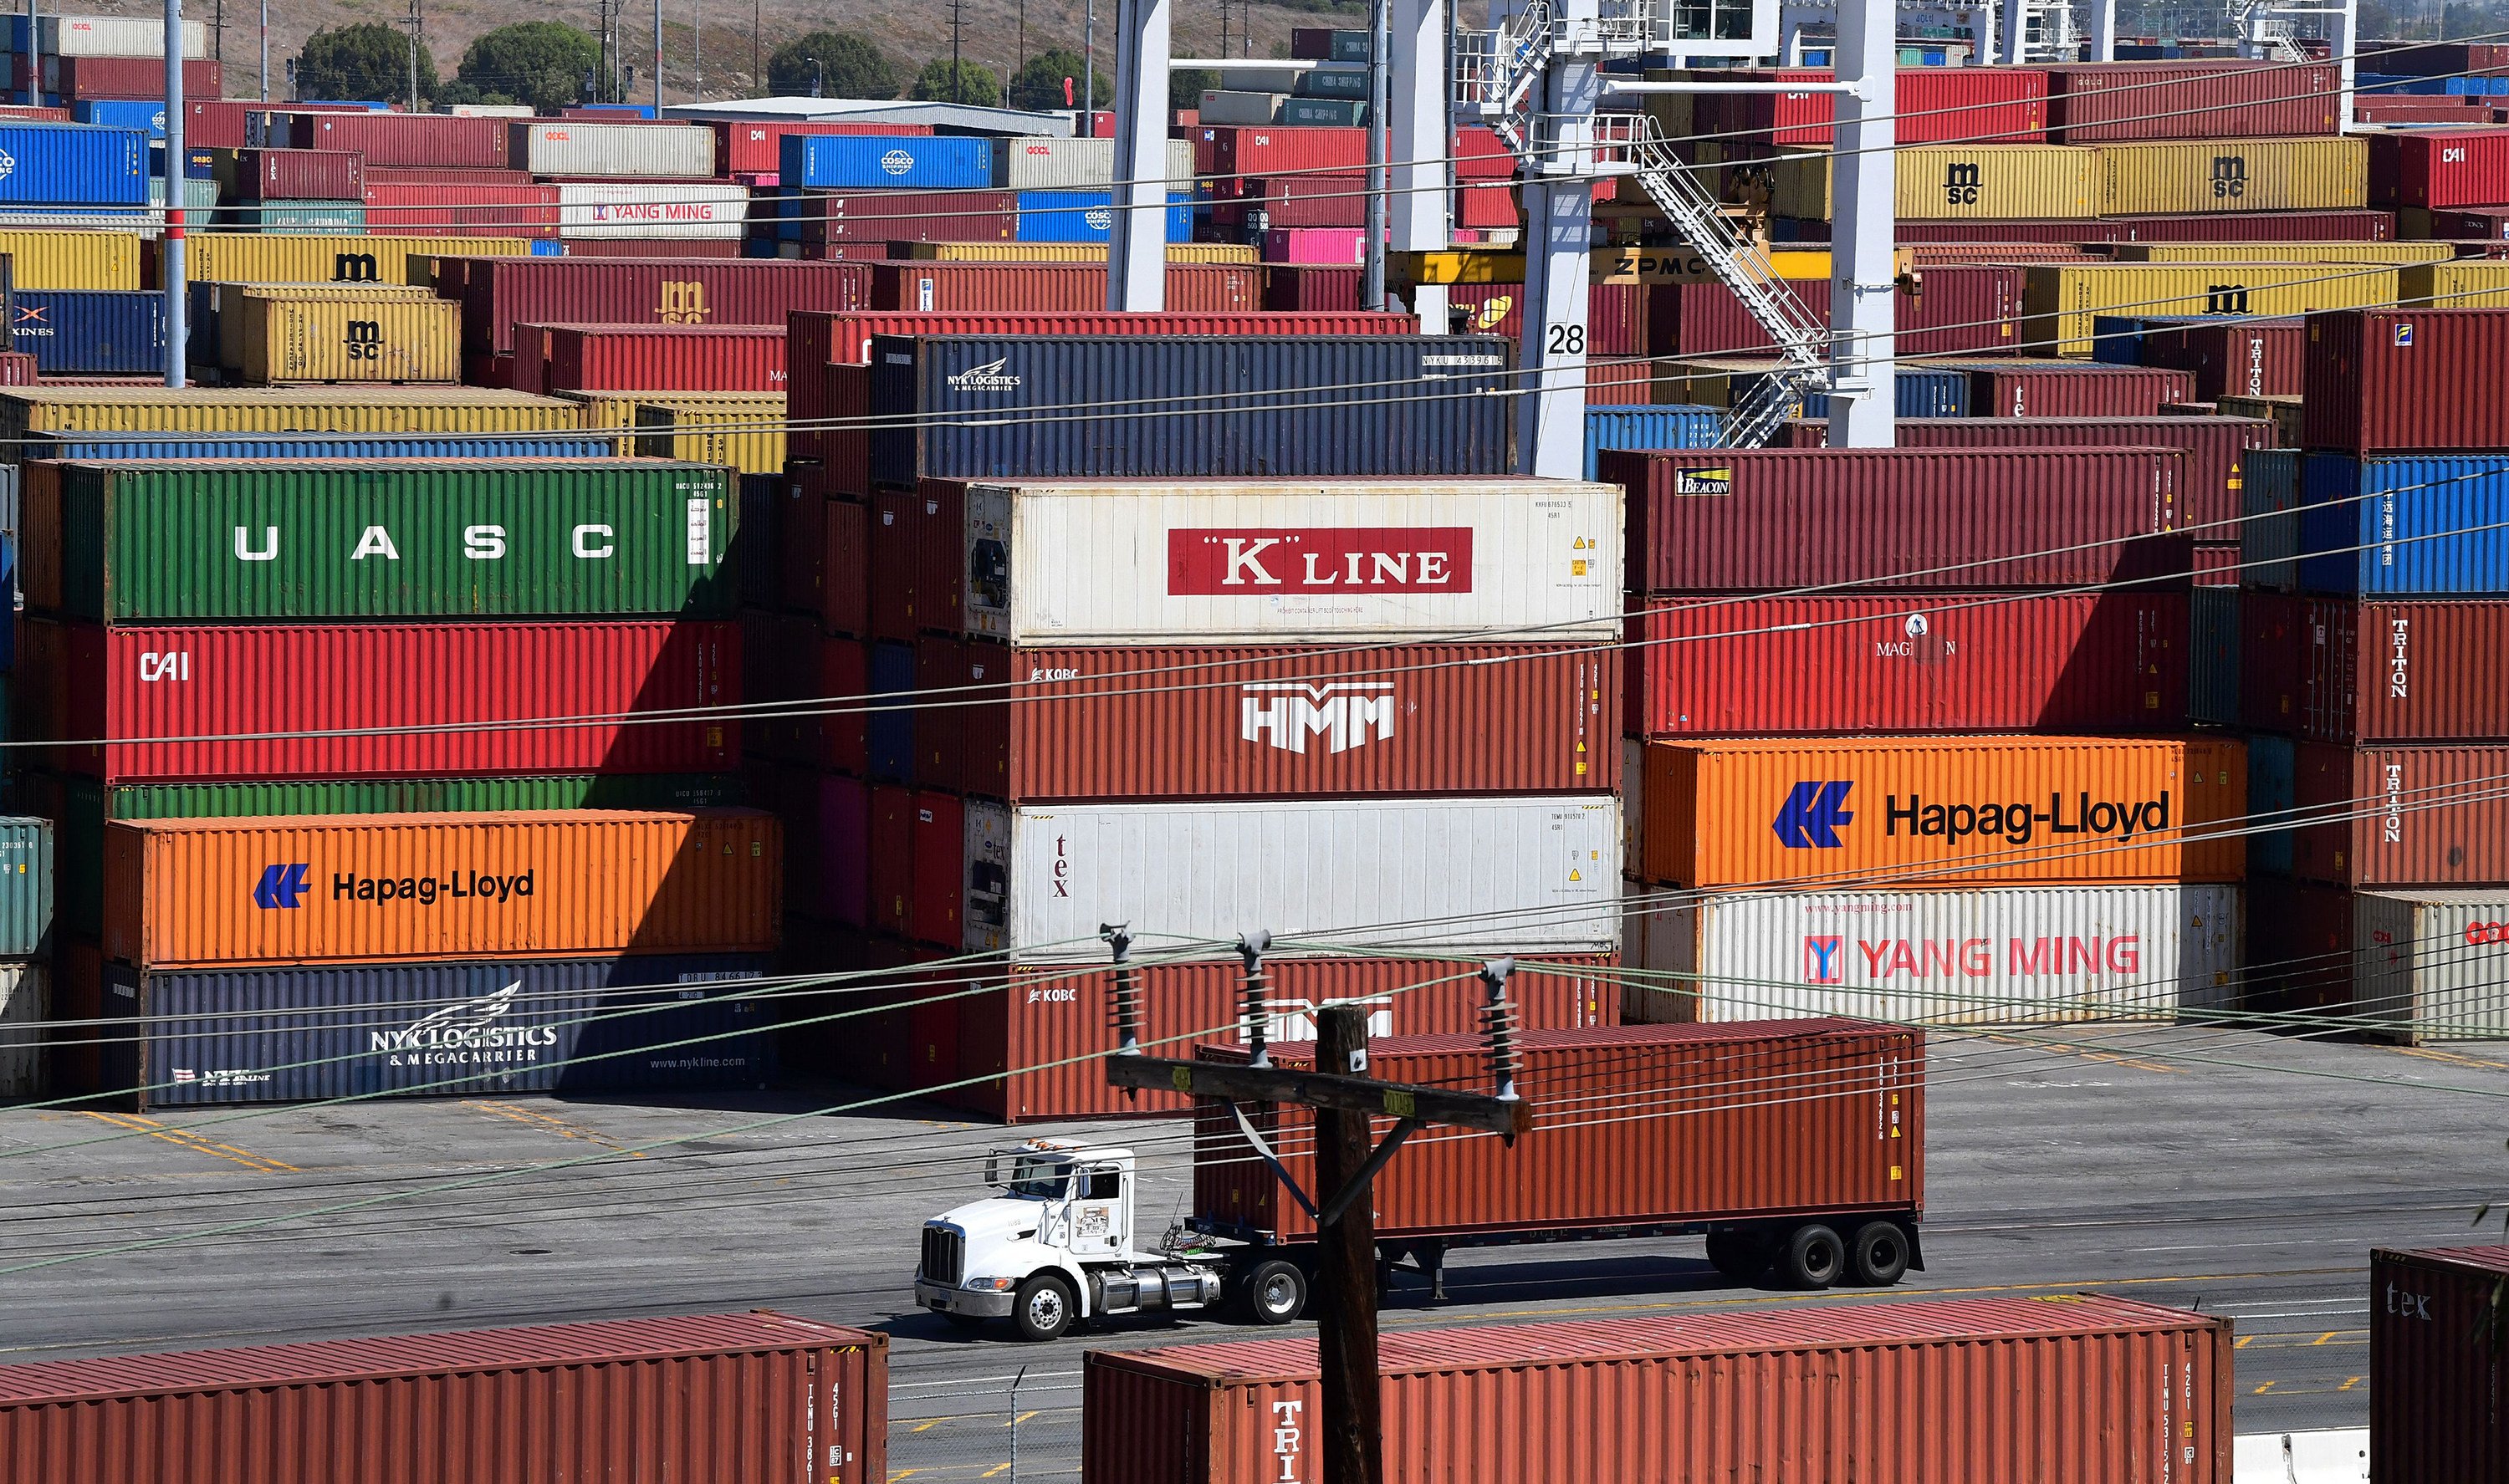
(1289, 712)
(1225, 563)
(1288, 1441)
(2017, 823)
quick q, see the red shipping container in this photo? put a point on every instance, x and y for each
(299, 175)
(17, 368)
(675, 248)
(2401, 816)
(2090, 1390)
(941, 665)
(801, 544)
(940, 830)
(1302, 200)
(1487, 208)
(1310, 287)
(2437, 1402)
(1936, 105)
(2489, 227)
(927, 287)
(500, 293)
(2091, 101)
(405, 138)
(731, 1398)
(2373, 672)
(404, 208)
(2216, 564)
(1479, 154)
(1619, 383)
(758, 148)
(1242, 152)
(1957, 662)
(1960, 307)
(2299, 947)
(892, 857)
(1758, 519)
(845, 601)
(1038, 1039)
(663, 357)
(914, 568)
(464, 694)
(845, 677)
(80, 79)
(2072, 389)
(1615, 315)
(2407, 379)
(424, 174)
(2208, 483)
(2440, 167)
(907, 216)
(842, 814)
(1707, 319)
(2255, 358)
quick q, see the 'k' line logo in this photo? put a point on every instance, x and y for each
(282, 885)
(1809, 818)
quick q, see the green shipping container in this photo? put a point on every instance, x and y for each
(165, 540)
(82, 806)
(25, 887)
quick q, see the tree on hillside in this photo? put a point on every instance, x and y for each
(362, 61)
(848, 66)
(539, 62)
(977, 83)
(1188, 84)
(1038, 83)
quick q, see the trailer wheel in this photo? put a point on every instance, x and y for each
(1814, 1257)
(1880, 1253)
(1738, 1256)
(1276, 1292)
(1044, 1307)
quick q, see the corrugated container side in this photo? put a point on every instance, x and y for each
(2233, 176)
(72, 259)
(2443, 168)
(2454, 285)
(2061, 299)
(461, 211)
(2432, 526)
(575, 147)
(299, 175)
(219, 312)
(78, 165)
(2400, 815)
(745, 147)
(2270, 520)
(2407, 379)
(724, 358)
(1936, 105)
(111, 422)
(928, 287)
(845, 338)
(89, 333)
(1992, 182)
(2251, 358)
(277, 257)
(2390, 672)
(2055, 388)
(652, 210)
(498, 296)
(2436, 1404)
(2093, 101)
(835, 217)
(2426, 966)
(334, 340)
(2208, 493)
(407, 140)
(2215, 644)
(27, 877)
(877, 162)
(741, 431)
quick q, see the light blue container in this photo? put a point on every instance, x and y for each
(73, 164)
(1088, 216)
(1672, 425)
(2273, 768)
(2269, 519)
(886, 162)
(2419, 523)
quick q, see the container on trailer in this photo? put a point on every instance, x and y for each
(2346, 671)
(730, 1397)
(2061, 299)
(2074, 1390)
(74, 332)
(1956, 182)
(2427, 965)
(157, 543)
(73, 164)
(2430, 526)
(2210, 479)
(296, 175)
(458, 694)
(2400, 815)
(1089, 216)
(2422, 379)
(1727, 520)
(71, 259)
(927, 287)
(2436, 1382)
(887, 162)
(579, 147)
(1290, 405)
(660, 357)
(274, 257)
(1979, 956)
(909, 216)
(1976, 662)
(741, 430)
(2441, 167)
(2090, 102)
(337, 421)
(215, 892)
(2235, 174)
(496, 296)
(324, 339)
(1741, 812)
(396, 208)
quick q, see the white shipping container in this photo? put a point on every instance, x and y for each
(1232, 108)
(1045, 163)
(2433, 965)
(652, 208)
(114, 36)
(25, 1001)
(1287, 560)
(574, 147)
(1527, 874)
(2018, 953)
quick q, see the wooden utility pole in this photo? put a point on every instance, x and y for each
(1354, 1451)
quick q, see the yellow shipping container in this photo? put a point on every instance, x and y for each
(742, 430)
(2470, 283)
(40, 412)
(279, 257)
(2179, 178)
(1954, 181)
(1071, 252)
(2399, 253)
(225, 296)
(2059, 300)
(291, 338)
(39, 259)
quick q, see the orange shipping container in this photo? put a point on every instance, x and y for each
(521, 884)
(1834, 812)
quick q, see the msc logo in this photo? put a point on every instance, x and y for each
(281, 886)
(1809, 818)
(354, 268)
(683, 302)
(1960, 184)
(1291, 711)
(897, 161)
(989, 375)
(365, 340)
(1825, 959)
(2229, 176)
(2225, 298)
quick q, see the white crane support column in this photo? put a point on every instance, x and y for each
(1423, 178)
(2103, 30)
(1137, 251)
(1864, 178)
(1981, 34)
(1559, 251)
(2342, 32)
(2015, 15)
(169, 248)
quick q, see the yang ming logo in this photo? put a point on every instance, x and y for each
(1809, 818)
(281, 886)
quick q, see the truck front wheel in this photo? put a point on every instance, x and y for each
(1276, 1292)
(1044, 1307)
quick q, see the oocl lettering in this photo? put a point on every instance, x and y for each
(1220, 562)
(1285, 713)
(2018, 824)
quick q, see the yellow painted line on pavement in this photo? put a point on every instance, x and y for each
(2111, 1057)
(2450, 1057)
(185, 1138)
(533, 1118)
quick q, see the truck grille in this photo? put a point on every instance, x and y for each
(945, 1252)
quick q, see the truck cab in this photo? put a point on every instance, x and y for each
(1054, 1245)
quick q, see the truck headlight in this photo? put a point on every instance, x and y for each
(991, 1284)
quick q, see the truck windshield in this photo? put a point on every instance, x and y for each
(1039, 1179)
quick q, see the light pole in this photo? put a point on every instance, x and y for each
(170, 257)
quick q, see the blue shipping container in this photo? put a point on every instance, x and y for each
(988, 406)
(174, 445)
(143, 114)
(1920, 392)
(72, 164)
(8, 602)
(2404, 526)
(1673, 426)
(1089, 216)
(567, 1025)
(90, 332)
(890, 734)
(25, 883)
(865, 162)
(2274, 769)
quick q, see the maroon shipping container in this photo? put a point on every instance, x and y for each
(407, 208)
(1209, 722)
(2272, 645)
(2488, 227)
(81, 78)
(927, 287)
(2072, 389)
(843, 604)
(406, 139)
(2440, 167)
(890, 871)
(847, 337)
(2439, 1398)
(907, 216)
(299, 175)
(1955, 309)
(1757, 519)
(673, 249)
(1302, 200)
(915, 576)
(653, 357)
(731, 1398)
(213, 122)
(1969, 254)
(2329, 226)
(1707, 319)
(500, 293)
(423, 174)
(2407, 379)
(1310, 287)
(2401, 816)
(2208, 482)
(2088, 1390)
(2091, 101)
(2374, 672)
(1764, 1120)
(758, 148)
(1033, 1048)
(1957, 662)
(944, 670)
(466, 693)
(2216, 564)
(1260, 151)
(1619, 383)
(2299, 947)
(1936, 105)
(2254, 357)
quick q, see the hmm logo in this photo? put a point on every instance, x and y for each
(1343, 713)
(684, 302)
(1813, 811)
(988, 376)
(281, 886)
(1960, 184)
(2229, 176)
(897, 161)
(1825, 959)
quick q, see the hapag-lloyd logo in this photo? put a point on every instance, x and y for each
(988, 376)
(1346, 714)
(1215, 561)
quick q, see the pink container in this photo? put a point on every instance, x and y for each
(1312, 244)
